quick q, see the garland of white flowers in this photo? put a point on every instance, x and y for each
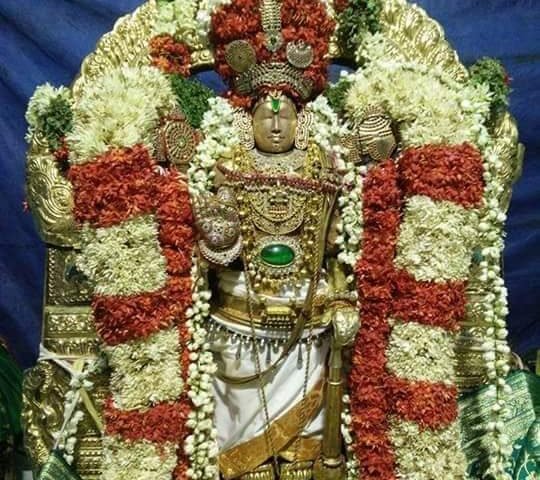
(66, 437)
(327, 131)
(201, 445)
(465, 124)
(496, 351)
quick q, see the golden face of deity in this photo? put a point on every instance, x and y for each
(274, 124)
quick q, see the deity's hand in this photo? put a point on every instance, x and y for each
(217, 221)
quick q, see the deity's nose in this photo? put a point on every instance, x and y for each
(276, 127)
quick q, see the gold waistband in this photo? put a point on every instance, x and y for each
(283, 431)
(279, 317)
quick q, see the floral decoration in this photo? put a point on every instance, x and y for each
(177, 19)
(432, 249)
(125, 259)
(300, 19)
(119, 109)
(50, 115)
(491, 72)
(356, 18)
(192, 97)
(407, 227)
(169, 55)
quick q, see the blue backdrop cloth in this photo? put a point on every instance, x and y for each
(46, 40)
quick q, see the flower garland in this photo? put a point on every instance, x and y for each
(119, 109)
(328, 131)
(136, 248)
(66, 438)
(220, 139)
(430, 108)
(356, 19)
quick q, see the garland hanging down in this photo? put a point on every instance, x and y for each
(407, 228)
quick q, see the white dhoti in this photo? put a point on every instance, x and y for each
(239, 411)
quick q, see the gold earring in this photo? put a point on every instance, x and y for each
(243, 124)
(304, 124)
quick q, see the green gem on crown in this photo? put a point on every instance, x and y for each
(277, 255)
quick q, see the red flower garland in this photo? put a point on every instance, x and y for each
(370, 403)
(165, 422)
(117, 185)
(430, 405)
(443, 172)
(170, 56)
(429, 303)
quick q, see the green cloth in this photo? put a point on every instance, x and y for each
(57, 468)
(11, 378)
(522, 425)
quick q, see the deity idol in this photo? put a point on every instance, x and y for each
(292, 280)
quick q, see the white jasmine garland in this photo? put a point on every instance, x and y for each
(495, 309)
(327, 131)
(119, 109)
(421, 353)
(436, 239)
(201, 445)
(126, 460)
(352, 466)
(147, 371)
(428, 106)
(66, 438)
(220, 139)
(415, 450)
(178, 19)
(125, 259)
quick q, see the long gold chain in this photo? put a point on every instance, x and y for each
(258, 370)
(315, 279)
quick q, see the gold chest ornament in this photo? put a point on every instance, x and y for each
(284, 207)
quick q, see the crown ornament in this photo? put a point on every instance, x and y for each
(285, 47)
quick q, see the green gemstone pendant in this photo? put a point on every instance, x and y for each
(277, 255)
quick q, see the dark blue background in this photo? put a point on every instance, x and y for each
(46, 40)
